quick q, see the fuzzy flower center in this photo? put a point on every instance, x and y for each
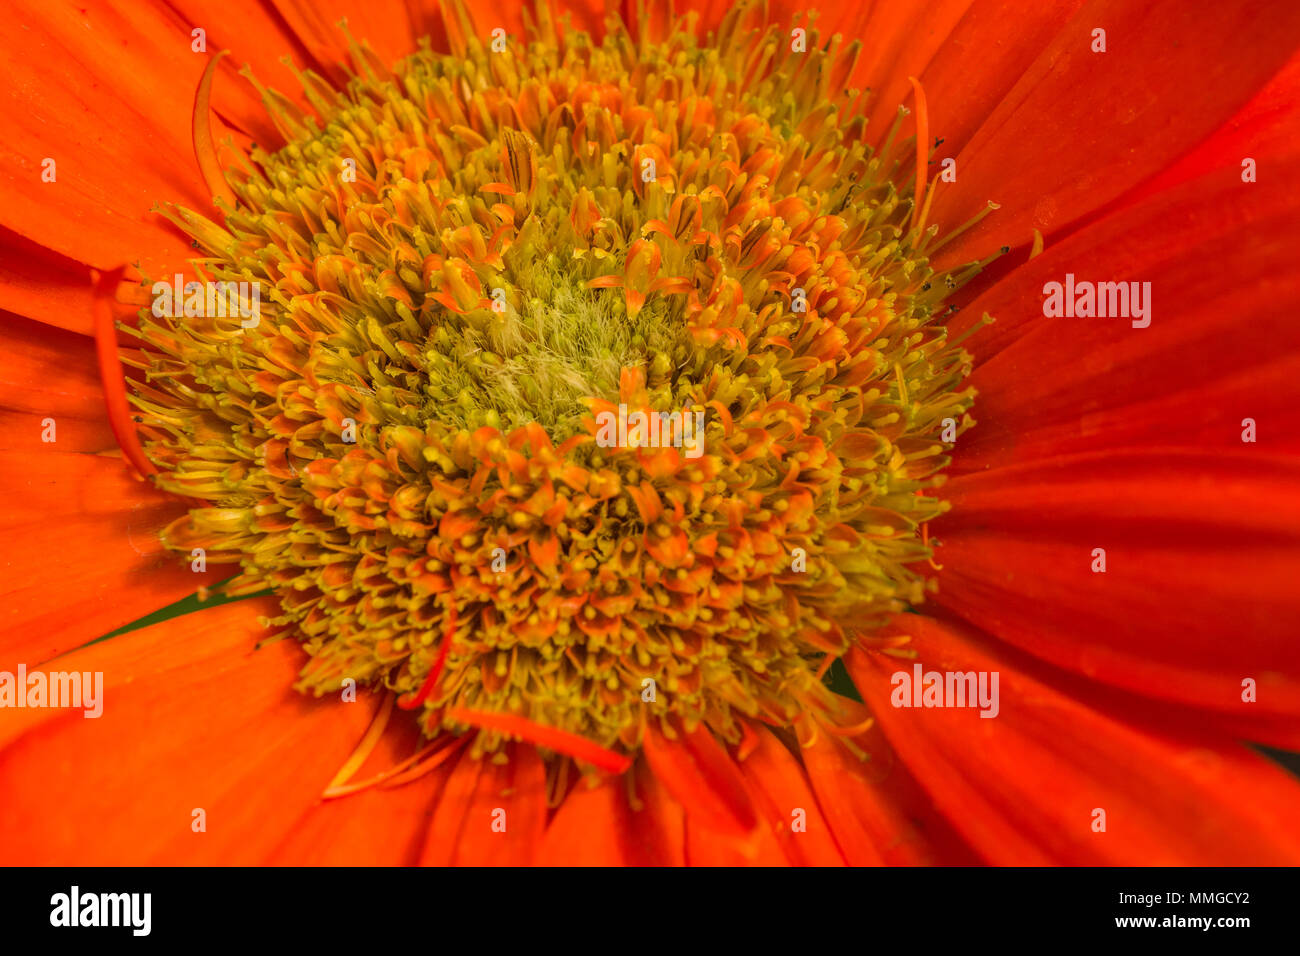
(468, 267)
(540, 360)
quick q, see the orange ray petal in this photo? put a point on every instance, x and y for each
(258, 38)
(501, 821)
(1195, 72)
(780, 787)
(194, 717)
(40, 284)
(102, 527)
(109, 171)
(965, 83)
(50, 373)
(599, 827)
(1218, 347)
(1199, 588)
(875, 809)
(386, 25)
(1022, 787)
(702, 777)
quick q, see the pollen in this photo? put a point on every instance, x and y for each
(464, 260)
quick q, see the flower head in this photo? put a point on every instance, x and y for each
(466, 262)
(584, 412)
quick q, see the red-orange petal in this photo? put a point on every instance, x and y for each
(1022, 787)
(702, 777)
(49, 373)
(119, 135)
(377, 826)
(1199, 588)
(257, 37)
(490, 814)
(101, 526)
(40, 284)
(194, 717)
(1096, 124)
(965, 84)
(875, 809)
(598, 826)
(1080, 380)
(781, 788)
(386, 25)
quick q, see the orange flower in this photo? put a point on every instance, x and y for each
(844, 622)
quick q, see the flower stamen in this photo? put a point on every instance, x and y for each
(922, 151)
(572, 745)
(111, 376)
(205, 150)
(366, 746)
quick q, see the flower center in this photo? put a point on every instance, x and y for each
(466, 268)
(563, 342)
